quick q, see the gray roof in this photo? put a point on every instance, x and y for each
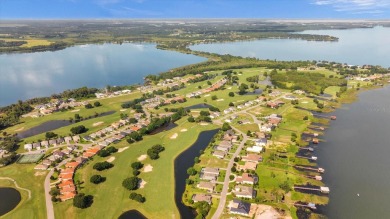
(241, 207)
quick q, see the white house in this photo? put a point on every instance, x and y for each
(255, 149)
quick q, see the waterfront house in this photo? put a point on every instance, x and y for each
(219, 154)
(45, 144)
(60, 140)
(247, 178)
(239, 207)
(87, 138)
(68, 139)
(53, 142)
(202, 197)
(255, 149)
(209, 173)
(206, 186)
(248, 166)
(255, 158)
(244, 191)
(76, 138)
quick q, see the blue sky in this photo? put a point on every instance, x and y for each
(73, 9)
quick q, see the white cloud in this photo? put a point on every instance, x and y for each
(356, 6)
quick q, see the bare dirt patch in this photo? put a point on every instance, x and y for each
(219, 100)
(122, 149)
(97, 123)
(206, 95)
(122, 110)
(111, 159)
(183, 130)
(266, 212)
(142, 157)
(76, 110)
(204, 123)
(39, 173)
(174, 136)
(148, 168)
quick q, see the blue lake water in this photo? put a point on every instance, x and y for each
(27, 75)
(355, 47)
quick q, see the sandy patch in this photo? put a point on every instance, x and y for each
(148, 168)
(111, 159)
(229, 88)
(132, 111)
(174, 136)
(203, 123)
(206, 95)
(39, 173)
(122, 110)
(304, 102)
(183, 130)
(219, 100)
(266, 212)
(122, 149)
(142, 157)
(19, 129)
(97, 124)
(142, 184)
(76, 110)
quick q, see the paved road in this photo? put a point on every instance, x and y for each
(49, 203)
(222, 200)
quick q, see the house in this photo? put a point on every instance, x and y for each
(80, 160)
(274, 120)
(224, 146)
(261, 142)
(66, 176)
(254, 158)
(28, 147)
(206, 186)
(67, 196)
(103, 143)
(239, 207)
(47, 162)
(201, 198)
(68, 189)
(71, 147)
(58, 155)
(60, 140)
(244, 191)
(255, 149)
(68, 139)
(72, 165)
(209, 174)
(41, 167)
(290, 97)
(210, 170)
(65, 184)
(53, 142)
(266, 128)
(76, 138)
(245, 121)
(37, 145)
(219, 154)
(87, 138)
(248, 166)
(45, 144)
(109, 129)
(93, 135)
(66, 151)
(247, 179)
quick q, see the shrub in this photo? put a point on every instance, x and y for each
(102, 166)
(97, 104)
(82, 201)
(137, 197)
(137, 165)
(78, 129)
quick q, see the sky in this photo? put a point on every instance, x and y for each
(271, 9)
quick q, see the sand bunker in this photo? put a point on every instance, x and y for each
(183, 130)
(219, 100)
(148, 168)
(97, 123)
(174, 136)
(229, 88)
(206, 95)
(122, 149)
(76, 110)
(122, 110)
(266, 212)
(142, 157)
(111, 159)
(142, 184)
(304, 102)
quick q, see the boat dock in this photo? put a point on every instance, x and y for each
(321, 189)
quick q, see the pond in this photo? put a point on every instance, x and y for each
(9, 199)
(198, 106)
(132, 214)
(184, 161)
(52, 125)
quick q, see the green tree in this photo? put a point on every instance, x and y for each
(96, 179)
(191, 171)
(137, 165)
(137, 197)
(231, 94)
(97, 104)
(131, 183)
(226, 126)
(78, 129)
(88, 106)
(82, 201)
(50, 135)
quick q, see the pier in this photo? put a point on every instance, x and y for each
(309, 158)
(321, 189)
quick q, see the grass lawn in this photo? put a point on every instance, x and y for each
(23, 174)
(159, 186)
(31, 42)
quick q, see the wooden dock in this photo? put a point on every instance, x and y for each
(309, 158)
(321, 189)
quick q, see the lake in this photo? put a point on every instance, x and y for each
(355, 47)
(9, 199)
(184, 161)
(28, 75)
(356, 158)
